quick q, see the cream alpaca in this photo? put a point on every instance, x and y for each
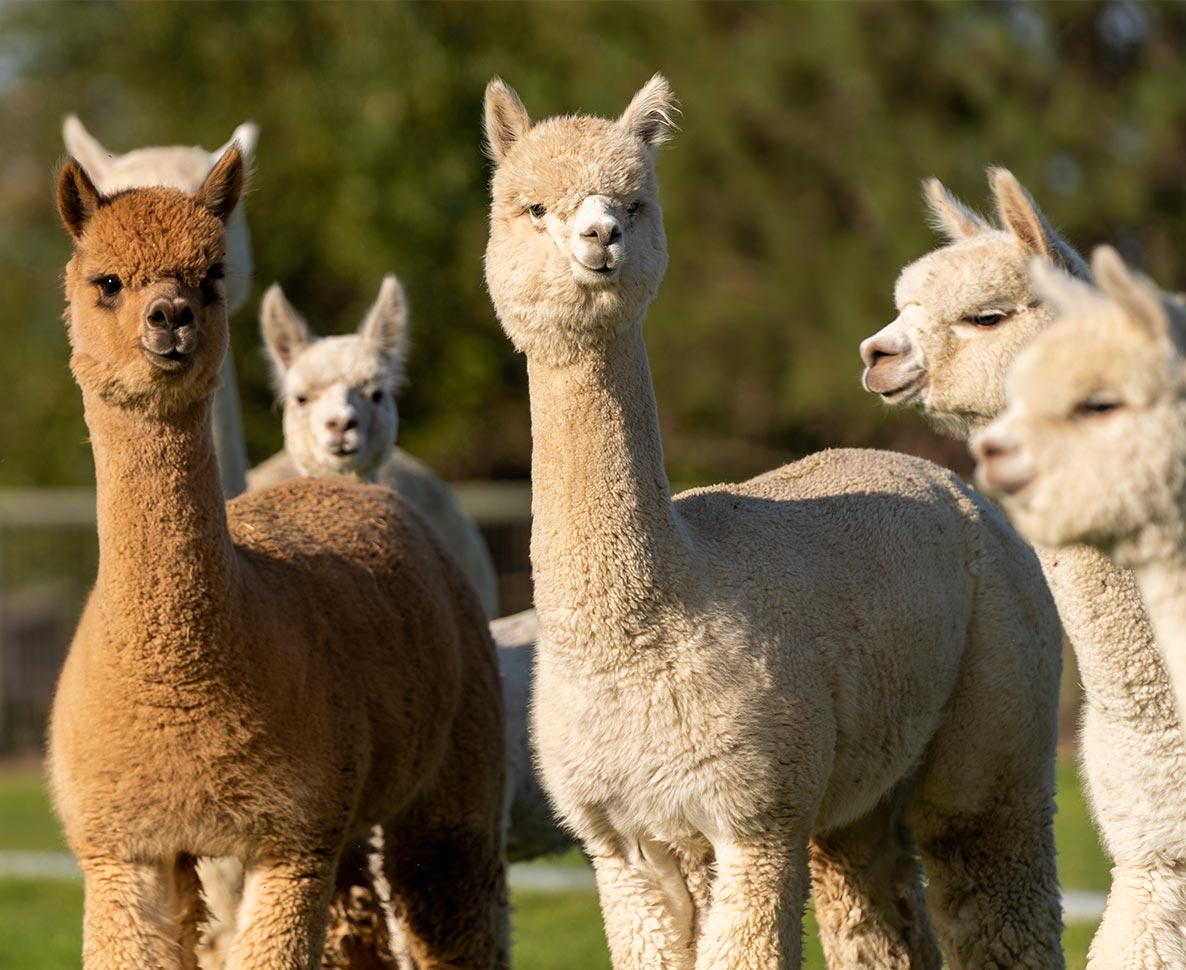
(826, 656)
(262, 679)
(965, 312)
(183, 167)
(340, 417)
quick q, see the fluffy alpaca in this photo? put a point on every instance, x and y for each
(340, 418)
(288, 669)
(966, 311)
(829, 655)
(184, 168)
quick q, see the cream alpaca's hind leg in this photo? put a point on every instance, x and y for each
(283, 914)
(869, 902)
(756, 920)
(992, 885)
(140, 915)
(1144, 924)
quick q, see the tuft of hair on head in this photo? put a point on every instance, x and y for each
(949, 217)
(650, 116)
(1020, 215)
(78, 199)
(386, 323)
(505, 120)
(285, 333)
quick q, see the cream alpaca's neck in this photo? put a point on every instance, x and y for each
(1162, 582)
(606, 539)
(165, 554)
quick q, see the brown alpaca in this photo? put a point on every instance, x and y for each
(265, 678)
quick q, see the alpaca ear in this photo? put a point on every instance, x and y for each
(949, 216)
(85, 148)
(1137, 294)
(223, 186)
(1070, 297)
(386, 323)
(649, 115)
(78, 199)
(285, 334)
(245, 136)
(1021, 216)
(506, 120)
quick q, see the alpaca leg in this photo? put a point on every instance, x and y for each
(222, 888)
(869, 903)
(1144, 920)
(992, 885)
(448, 891)
(756, 920)
(357, 937)
(283, 915)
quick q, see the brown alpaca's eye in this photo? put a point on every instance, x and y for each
(376, 396)
(633, 207)
(538, 211)
(110, 285)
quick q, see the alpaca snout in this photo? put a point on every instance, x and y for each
(1002, 466)
(891, 366)
(598, 243)
(170, 327)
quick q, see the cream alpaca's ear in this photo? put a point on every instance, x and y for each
(284, 332)
(506, 120)
(78, 199)
(83, 146)
(949, 216)
(1021, 216)
(649, 115)
(1136, 293)
(224, 185)
(245, 136)
(1069, 296)
(386, 323)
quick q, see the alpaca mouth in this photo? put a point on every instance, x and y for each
(896, 393)
(173, 362)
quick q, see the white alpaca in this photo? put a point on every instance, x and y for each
(827, 659)
(966, 311)
(183, 167)
(340, 418)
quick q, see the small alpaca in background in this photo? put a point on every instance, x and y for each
(966, 311)
(266, 678)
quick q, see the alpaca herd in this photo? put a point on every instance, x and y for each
(289, 734)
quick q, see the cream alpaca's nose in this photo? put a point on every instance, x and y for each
(881, 345)
(1001, 466)
(342, 422)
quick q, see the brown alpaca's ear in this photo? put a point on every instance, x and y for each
(1020, 214)
(78, 199)
(949, 216)
(284, 332)
(1137, 294)
(506, 120)
(386, 323)
(223, 186)
(649, 115)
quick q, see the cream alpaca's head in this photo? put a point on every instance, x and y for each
(338, 392)
(1092, 446)
(965, 310)
(576, 250)
(147, 319)
(177, 167)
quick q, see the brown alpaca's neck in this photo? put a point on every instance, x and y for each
(607, 544)
(166, 561)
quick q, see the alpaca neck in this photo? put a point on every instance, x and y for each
(606, 541)
(1162, 582)
(165, 554)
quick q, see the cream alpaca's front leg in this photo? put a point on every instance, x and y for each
(756, 920)
(283, 915)
(1144, 925)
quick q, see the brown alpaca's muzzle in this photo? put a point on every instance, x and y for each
(169, 333)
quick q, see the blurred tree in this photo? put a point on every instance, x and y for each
(791, 197)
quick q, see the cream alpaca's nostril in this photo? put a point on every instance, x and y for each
(342, 424)
(877, 348)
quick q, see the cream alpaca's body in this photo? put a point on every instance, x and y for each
(182, 167)
(263, 679)
(966, 311)
(826, 656)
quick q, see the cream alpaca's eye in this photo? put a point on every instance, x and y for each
(632, 208)
(989, 318)
(376, 396)
(302, 399)
(1096, 407)
(538, 211)
(110, 285)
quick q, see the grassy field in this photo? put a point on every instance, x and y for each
(40, 919)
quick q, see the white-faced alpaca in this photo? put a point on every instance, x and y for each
(340, 418)
(183, 167)
(265, 678)
(826, 660)
(965, 312)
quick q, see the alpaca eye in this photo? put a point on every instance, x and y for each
(538, 211)
(1096, 407)
(989, 318)
(376, 396)
(302, 399)
(633, 207)
(110, 285)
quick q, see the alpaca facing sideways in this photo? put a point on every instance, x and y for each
(966, 311)
(826, 661)
(340, 418)
(290, 668)
(184, 167)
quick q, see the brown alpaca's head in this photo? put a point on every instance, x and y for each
(147, 318)
(576, 249)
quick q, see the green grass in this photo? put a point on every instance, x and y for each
(41, 920)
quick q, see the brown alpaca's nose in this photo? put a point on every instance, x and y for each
(169, 314)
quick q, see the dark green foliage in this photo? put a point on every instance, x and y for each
(791, 194)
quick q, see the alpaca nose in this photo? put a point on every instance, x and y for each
(341, 423)
(605, 231)
(879, 347)
(1001, 466)
(169, 314)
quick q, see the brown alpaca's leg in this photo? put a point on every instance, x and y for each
(128, 919)
(190, 909)
(869, 903)
(283, 914)
(357, 937)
